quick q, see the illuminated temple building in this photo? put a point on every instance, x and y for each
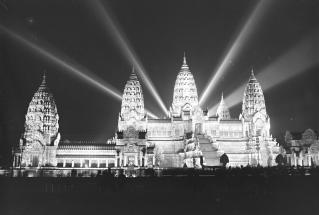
(188, 137)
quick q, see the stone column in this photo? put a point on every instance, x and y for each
(116, 163)
(64, 162)
(125, 160)
(299, 160)
(140, 160)
(98, 163)
(309, 159)
(14, 161)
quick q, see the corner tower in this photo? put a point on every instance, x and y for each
(41, 136)
(42, 119)
(185, 98)
(254, 108)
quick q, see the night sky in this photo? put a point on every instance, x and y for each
(159, 32)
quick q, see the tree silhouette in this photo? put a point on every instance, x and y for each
(224, 159)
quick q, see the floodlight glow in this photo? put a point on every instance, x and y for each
(126, 49)
(294, 62)
(235, 48)
(150, 114)
(75, 69)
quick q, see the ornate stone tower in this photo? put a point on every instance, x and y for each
(256, 125)
(254, 109)
(185, 98)
(132, 108)
(41, 136)
(222, 110)
(131, 135)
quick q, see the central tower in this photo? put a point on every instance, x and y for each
(185, 98)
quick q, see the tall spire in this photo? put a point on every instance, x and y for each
(252, 75)
(222, 110)
(133, 75)
(44, 77)
(253, 100)
(132, 99)
(184, 66)
(185, 91)
(44, 108)
(44, 81)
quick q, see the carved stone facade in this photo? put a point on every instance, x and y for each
(301, 148)
(189, 137)
(41, 137)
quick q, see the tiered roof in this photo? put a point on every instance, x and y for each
(132, 100)
(42, 117)
(253, 100)
(185, 91)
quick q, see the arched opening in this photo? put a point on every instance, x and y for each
(280, 160)
(259, 127)
(35, 161)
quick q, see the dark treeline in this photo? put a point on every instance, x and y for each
(230, 191)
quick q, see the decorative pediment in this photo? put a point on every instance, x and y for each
(131, 148)
(34, 146)
(131, 132)
(187, 107)
(260, 115)
(259, 123)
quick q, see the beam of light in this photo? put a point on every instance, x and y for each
(297, 60)
(56, 57)
(69, 66)
(151, 114)
(118, 36)
(235, 48)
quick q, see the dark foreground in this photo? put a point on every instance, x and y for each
(223, 194)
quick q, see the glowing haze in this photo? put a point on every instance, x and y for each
(126, 49)
(76, 69)
(235, 48)
(297, 60)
